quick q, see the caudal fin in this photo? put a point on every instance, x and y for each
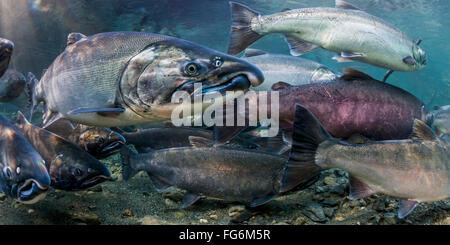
(127, 170)
(308, 134)
(241, 35)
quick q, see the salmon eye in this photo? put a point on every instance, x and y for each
(78, 172)
(217, 62)
(192, 69)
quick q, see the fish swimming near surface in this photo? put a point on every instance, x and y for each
(23, 175)
(441, 121)
(98, 141)
(222, 172)
(70, 167)
(354, 104)
(6, 49)
(289, 69)
(12, 85)
(414, 170)
(127, 78)
(346, 30)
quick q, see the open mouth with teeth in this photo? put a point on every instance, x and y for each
(237, 83)
(31, 192)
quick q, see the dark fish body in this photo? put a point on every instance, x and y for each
(414, 170)
(12, 85)
(149, 139)
(23, 175)
(6, 49)
(355, 105)
(70, 167)
(97, 141)
(128, 78)
(221, 172)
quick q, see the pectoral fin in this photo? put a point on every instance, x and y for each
(50, 118)
(406, 207)
(102, 111)
(346, 54)
(159, 184)
(358, 189)
(298, 46)
(190, 199)
(258, 201)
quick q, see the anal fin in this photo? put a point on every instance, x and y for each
(190, 199)
(298, 46)
(359, 189)
(258, 201)
(406, 207)
(159, 184)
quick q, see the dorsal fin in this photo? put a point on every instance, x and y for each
(340, 4)
(250, 52)
(21, 119)
(422, 132)
(285, 9)
(200, 141)
(74, 37)
(280, 85)
(352, 74)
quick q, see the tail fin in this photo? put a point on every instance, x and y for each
(127, 170)
(308, 134)
(241, 35)
(32, 103)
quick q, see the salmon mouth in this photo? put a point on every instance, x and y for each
(236, 83)
(94, 181)
(31, 192)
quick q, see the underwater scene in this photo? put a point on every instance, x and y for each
(217, 112)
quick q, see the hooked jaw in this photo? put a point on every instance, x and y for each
(116, 141)
(235, 76)
(35, 188)
(96, 176)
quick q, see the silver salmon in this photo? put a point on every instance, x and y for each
(346, 30)
(128, 78)
(288, 69)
